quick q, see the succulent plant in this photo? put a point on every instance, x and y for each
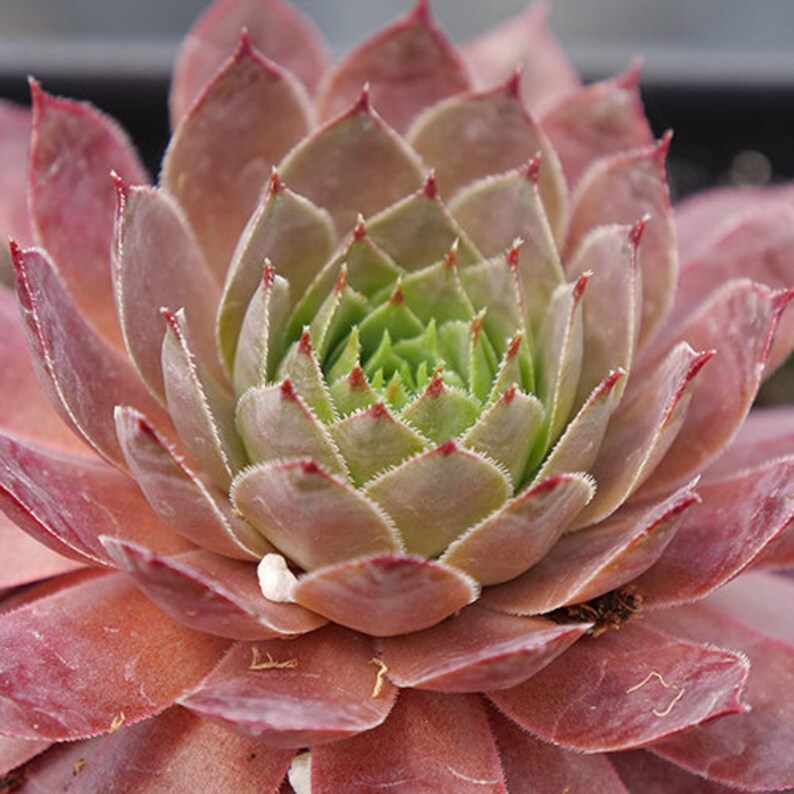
(405, 455)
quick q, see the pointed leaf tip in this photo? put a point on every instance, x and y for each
(430, 188)
(636, 232)
(531, 169)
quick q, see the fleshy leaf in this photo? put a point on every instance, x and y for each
(312, 517)
(519, 534)
(502, 210)
(172, 751)
(197, 511)
(739, 517)
(419, 231)
(408, 66)
(430, 742)
(156, 262)
(611, 306)
(386, 595)
(351, 393)
(748, 751)
(73, 150)
(275, 28)
(262, 332)
(621, 189)
(67, 502)
(84, 377)
(292, 693)
(530, 764)
(599, 120)
(373, 441)
(210, 593)
(25, 409)
(221, 153)
(643, 429)
(334, 166)
(275, 423)
(525, 42)
(474, 136)
(202, 409)
(55, 638)
(300, 365)
(290, 231)
(584, 565)
(626, 689)
(739, 322)
(476, 650)
(441, 412)
(433, 497)
(507, 431)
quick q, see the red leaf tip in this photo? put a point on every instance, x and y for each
(663, 147)
(781, 299)
(430, 188)
(512, 87)
(514, 252)
(275, 184)
(268, 275)
(451, 257)
(398, 296)
(630, 79)
(448, 448)
(514, 346)
(509, 395)
(243, 44)
(287, 392)
(121, 187)
(357, 380)
(362, 104)
(421, 13)
(360, 230)
(476, 326)
(309, 467)
(435, 388)
(378, 411)
(531, 169)
(580, 285)
(636, 232)
(305, 343)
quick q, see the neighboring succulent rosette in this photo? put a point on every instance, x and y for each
(405, 454)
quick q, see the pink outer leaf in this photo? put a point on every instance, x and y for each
(642, 430)
(14, 752)
(334, 167)
(210, 593)
(625, 689)
(623, 188)
(66, 503)
(157, 262)
(767, 433)
(642, 771)
(477, 135)
(54, 684)
(55, 768)
(84, 377)
(430, 742)
(587, 564)
(15, 124)
(220, 156)
(531, 766)
(24, 559)
(174, 751)
(73, 150)
(275, 29)
(311, 516)
(751, 751)
(197, 511)
(409, 66)
(25, 410)
(386, 595)
(599, 120)
(759, 246)
(511, 539)
(739, 322)
(318, 688)
(526, 43)
(476, 650)
(612, 303)
(201, 407)
(738, 518)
